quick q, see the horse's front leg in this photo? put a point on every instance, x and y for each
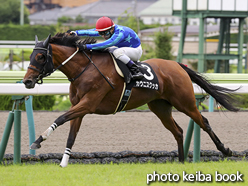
(43, 136)
(86, 105)
(74, 128)
(79, 110)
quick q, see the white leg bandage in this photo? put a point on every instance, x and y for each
(49, 131)
(65, 159)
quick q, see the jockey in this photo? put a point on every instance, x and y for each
(124, 43)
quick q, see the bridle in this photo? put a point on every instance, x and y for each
(47, 68)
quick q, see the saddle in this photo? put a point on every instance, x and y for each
(122, 69)
(149, 81)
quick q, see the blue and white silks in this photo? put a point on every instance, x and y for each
(122, 37)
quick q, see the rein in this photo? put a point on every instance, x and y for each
(73, 79)
(97, 69)
(90, 62)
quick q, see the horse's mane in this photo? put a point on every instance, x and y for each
(70, 40)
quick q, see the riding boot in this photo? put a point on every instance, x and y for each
(136, 74)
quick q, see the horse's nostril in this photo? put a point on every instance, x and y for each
(28, 83)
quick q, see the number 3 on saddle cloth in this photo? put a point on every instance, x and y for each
(149, 81)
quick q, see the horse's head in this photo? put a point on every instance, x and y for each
(41, 63)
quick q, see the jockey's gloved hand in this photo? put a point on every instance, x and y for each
(72, 33)
(82, 46)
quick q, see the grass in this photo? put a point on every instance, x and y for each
(115, 174)
(143, 107)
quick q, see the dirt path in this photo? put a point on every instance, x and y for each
(135, 131)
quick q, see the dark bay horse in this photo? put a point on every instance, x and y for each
(90, 92)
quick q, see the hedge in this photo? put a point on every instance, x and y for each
(39, 103)
(123, 157)
(25, 32)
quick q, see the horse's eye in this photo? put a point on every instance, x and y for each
(40, 58)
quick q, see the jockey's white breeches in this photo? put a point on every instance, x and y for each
(126, 53)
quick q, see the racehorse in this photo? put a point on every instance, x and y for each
(96, 88)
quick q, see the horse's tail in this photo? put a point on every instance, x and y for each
(222, 95)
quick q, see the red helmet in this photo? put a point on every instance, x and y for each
(104, 23)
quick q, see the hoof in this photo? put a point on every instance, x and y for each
(229, 152)
(35, 146)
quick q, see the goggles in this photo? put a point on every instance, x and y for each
(105, 33)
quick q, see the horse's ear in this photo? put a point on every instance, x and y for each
(36, 39)
(46, 42)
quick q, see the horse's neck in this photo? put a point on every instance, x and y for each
(60, 55)
(78, 63)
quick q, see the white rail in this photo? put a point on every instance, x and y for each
(44, 89)
(63, 88)
(243, 88)
(16, 44)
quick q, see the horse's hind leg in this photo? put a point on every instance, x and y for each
(163, 110)
(203, 123)
(74, 128)
(217, 142)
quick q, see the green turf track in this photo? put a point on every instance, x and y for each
(114, 174)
